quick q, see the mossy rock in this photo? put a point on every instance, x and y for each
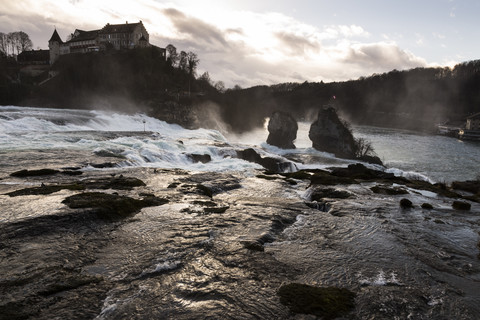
(439, 188)
(299, 175)
(472, 198)
(406, 204)
(44, 190)
(427, 206)
(118, 183)
(266, 177)
(111, 206)
(291, 182)
(319, 194)
(325, 178)
(34, 173)
(460, 205)
(72, 172)
(253, 246)
(108, 154)
(103, 165)
(215, 209)
(205, 190)
(173, 185)
(359, 171)
(469, 186)
(325, 302)
(388, 191)
(204, 203)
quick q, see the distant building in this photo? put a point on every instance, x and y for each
(81, 42)
(111, 36)
(473, 122)
(54, 45)
(34, 62)
(124, 36)
(34, 57)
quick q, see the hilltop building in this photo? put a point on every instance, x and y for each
(111, 36)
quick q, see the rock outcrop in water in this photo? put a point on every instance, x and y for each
(329, 134)
(269, 163)
(282, 129)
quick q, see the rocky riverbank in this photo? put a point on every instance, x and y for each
(139, 243)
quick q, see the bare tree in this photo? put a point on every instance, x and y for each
(10, 44)
(363, 148)
(25, 42)
(15, 43)
(3, 43)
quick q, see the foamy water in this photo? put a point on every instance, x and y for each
(148, 142)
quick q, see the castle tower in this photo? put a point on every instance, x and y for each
(54, 46)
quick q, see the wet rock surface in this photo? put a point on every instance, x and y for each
(118, 183)
(111, 206)
(327, 303)
(140, 243)
(388, 190)
(34, 173)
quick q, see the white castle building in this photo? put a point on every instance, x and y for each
(112, 36)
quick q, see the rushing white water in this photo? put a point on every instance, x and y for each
(148, 142)
(141, 140)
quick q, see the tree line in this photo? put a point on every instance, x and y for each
(415, 99)
(14, 43)
(185, 61)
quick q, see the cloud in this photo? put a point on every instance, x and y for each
(194, 29)
(297, 44)
(237, 47)
(381, 56)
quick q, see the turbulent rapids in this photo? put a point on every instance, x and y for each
(140, 219)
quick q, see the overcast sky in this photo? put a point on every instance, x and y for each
(254, 42)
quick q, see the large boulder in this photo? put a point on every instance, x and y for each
(282, 129)
(329, 134)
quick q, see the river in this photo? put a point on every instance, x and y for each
(189, 258)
